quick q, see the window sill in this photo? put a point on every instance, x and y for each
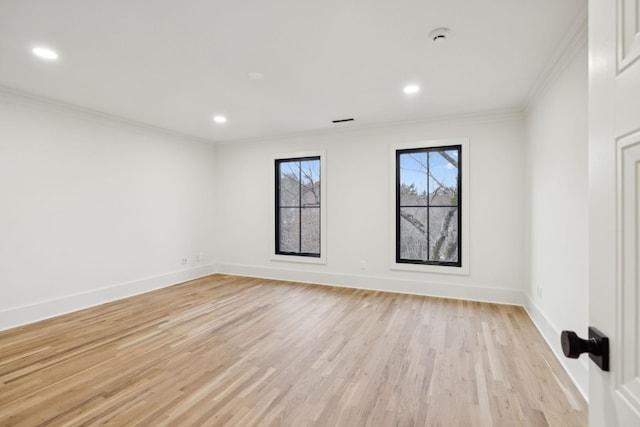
(437, 269)
(299, 259)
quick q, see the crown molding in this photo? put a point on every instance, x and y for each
(65, 107)
(469, 118)
(575, 39)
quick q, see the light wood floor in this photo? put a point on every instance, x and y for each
(236, 351)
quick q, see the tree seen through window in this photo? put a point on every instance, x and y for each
(428, 206)
(298, 206)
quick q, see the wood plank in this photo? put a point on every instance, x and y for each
(225, 350)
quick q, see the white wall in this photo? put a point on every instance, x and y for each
(357, 181)
(94, 209)
(557, 181)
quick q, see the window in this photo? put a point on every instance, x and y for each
(298, 199)
(428, 199)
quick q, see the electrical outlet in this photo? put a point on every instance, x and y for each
(184, 260)
(539, 292)
(200, 257)
(363, 265)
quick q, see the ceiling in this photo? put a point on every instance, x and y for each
(175, 64)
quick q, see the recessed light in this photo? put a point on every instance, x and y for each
(411, 89)
(45, 53)
(219, 119)
(255, 75)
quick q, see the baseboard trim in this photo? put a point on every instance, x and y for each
(578, 370)
(22, 315)
(386, 284)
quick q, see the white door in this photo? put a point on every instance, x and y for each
(614, 208)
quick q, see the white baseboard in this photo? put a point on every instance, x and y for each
(376, 283)
(17, 316)
(578, 370)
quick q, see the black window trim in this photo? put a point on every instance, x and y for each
(278, 161)
(398, 218)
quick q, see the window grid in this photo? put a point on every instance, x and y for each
(428, 206)
(300, 206)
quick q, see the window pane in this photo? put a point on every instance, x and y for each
(443, 177)
(413, 179)
(289, 229)
(414, 244)
(443, 234)
(310, 237)
(428, 205)
(289, 183)
(298, 185)
(310, 172)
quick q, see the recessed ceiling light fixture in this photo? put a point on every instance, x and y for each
(45, 53)
(411, 89)
(256, 75)
(220, 119)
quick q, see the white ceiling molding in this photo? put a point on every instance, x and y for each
(466, 119)
(575, 39)
(38, 101)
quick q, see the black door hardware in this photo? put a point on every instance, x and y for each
(597, 346)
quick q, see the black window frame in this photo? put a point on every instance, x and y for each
(398, 206)
(278, 162)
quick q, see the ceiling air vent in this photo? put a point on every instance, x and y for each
(342, 120)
